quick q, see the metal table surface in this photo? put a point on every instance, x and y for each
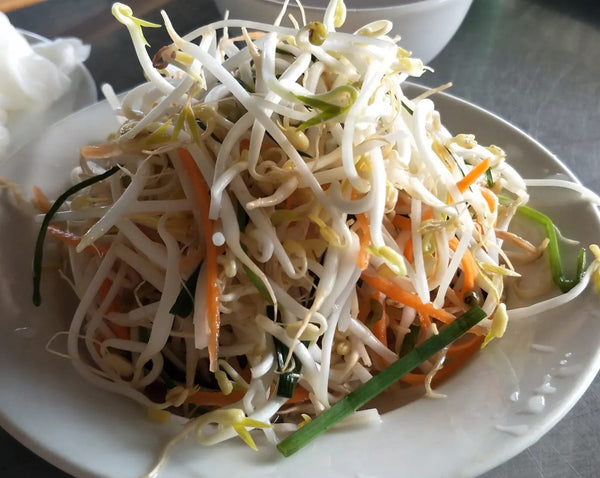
(534, 63)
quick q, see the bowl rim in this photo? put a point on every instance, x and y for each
(409, 6)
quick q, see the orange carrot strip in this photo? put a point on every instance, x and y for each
(394, 292)
(469, 267)
(72, 239)
(40, 200)
(244, 144)
(379, 328)
(456, 357)
(120, 331)
(402, 222)
(212, 286)
(405, 223)
(472, 175)
(490, 199)
(408, 250)
(300, 395)
(364, 236)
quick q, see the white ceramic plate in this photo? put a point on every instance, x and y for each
(89, 433)
(25, 125)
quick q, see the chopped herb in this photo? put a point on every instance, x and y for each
(287, 379)
(242, 217)
(258, 283)
(407, 108)
(410, 339)
(489, 178)
(327, 110)
(184, 304)
(39, 245)
(558, 274)
(375, 312)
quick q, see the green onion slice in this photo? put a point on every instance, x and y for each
(39, 245)
(380, 382)
(184, 304)
(558, 275)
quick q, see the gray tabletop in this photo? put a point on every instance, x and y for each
(535, 63)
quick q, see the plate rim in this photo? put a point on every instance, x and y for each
(515, 445)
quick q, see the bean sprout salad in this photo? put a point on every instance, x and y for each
(275, 226)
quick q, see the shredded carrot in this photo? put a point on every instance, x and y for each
(43, 205)
(364, 236)
(394, 292)
(401, 222)
(490, 199)
(120, 331)
(72, 239)
(469, 267)
(212, 286)
(405, 223)
(379, 330)
(214, 399)
(300, 395)
(456, 357)
(472, 175)
(408, 250)
(245, 145)
(40, 201)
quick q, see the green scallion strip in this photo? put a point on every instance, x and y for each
(380, 382)
(202, 125)
(259, 284)
(375, 313)
(242, 218)
(184, 304)
(288, 379)
(558, 275)
(407, 108)
(39, 245)
(489, 178)
(328, 110)
(410, 339)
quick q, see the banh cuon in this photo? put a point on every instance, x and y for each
(276, 233)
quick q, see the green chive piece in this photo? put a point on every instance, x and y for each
(184, 304)
(558, 275)
(407, 108)
(489, 178)
(327, 110)
(288, 379)
(169, 382)
(410, 340)
(259, 284)
(380, 382)
(242, 217)
(375, 313)
(39, 245)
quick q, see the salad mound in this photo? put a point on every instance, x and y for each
(277, 233)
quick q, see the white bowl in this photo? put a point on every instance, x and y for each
(425, 26)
